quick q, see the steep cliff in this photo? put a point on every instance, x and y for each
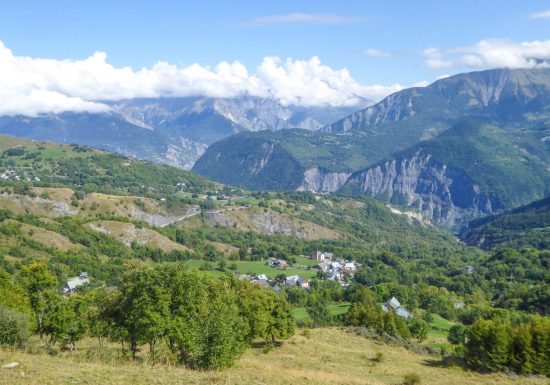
(443, 193)
(462, 147)
(469, 171)
(316, 179)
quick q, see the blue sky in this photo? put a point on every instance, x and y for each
(382, 43)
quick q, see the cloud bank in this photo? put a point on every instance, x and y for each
(491, 54)
(30, 86)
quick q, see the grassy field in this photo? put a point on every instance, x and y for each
(261, 267)
(328, 356)
(300, 313)
(441, 323)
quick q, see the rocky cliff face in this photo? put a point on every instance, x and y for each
(394, 108)
(442, 193)
(268, 222)
(318, 180)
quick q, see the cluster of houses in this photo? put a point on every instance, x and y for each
(336, 269)
(263, 280)
(12, 174)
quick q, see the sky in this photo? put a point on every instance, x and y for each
(70, 55)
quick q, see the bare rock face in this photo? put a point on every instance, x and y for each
(320, 181)
(442, 193)
(394, 108)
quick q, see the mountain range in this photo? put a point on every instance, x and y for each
(463, 147)
(174, 131)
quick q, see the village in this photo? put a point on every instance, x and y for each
(10, 173)
(328, 267)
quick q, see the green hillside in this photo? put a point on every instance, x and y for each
(489, 129)
(89, 169)
(169, 256)
(528, 225)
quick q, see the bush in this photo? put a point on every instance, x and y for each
(457, 333)
(14, 327)
(411, 379)
(378, 357)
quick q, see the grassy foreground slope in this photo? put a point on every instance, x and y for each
(328, 356)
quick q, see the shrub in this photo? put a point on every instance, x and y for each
(378, 357)
(14, 327)
(411, 379)
(457, 334)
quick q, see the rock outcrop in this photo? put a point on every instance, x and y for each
(318, 180)
(444, 194)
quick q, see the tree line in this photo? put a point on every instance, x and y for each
(203, 322)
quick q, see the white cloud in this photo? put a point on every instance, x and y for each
(30, 86)
(305, 18)
(492, 54)
(434, 59)
(378, 53)
(541, 15)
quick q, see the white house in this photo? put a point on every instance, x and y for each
(323, 266)
(394, 304)
(349, 266)
(292, 280)
(73, 283)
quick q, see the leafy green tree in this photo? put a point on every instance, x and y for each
(268, 314)
(39, 282)
(144, 301)
(457, 334)
(98, 319)
(419, 328)
(540, 342)
(281, 320)
(389, 323)
(521, 350)
(318, 311)
(12, 295)
(402, 327)
(488, 345)
(14, 327)
(76, 320)
(55, 320)
(364, 311)
(208, 328)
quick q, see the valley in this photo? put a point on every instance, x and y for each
(442, 149)
(285, 192)
(122, 265)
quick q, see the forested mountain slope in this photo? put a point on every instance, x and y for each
(404, 139)
(528, 225)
